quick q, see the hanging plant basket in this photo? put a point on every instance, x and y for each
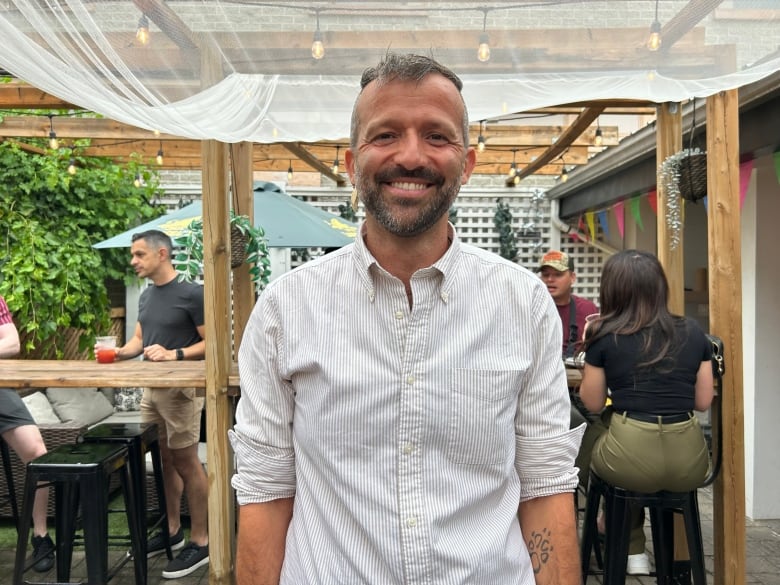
(683, 175)
(693, 176)
(238, 242)
(247, 246)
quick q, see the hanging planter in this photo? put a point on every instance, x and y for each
(247, 246)
(684, 176)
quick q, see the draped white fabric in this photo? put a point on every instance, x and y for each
(543, 53)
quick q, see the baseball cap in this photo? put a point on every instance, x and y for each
(558, 260)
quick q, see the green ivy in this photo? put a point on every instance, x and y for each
(506, 234)
(50, 275)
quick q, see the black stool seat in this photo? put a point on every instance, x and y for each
(662, 505)
(80, 471)
(139, 438)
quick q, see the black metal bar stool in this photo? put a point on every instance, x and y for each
(662, 505)
(81, 472)
(139, 438)
(10, 495)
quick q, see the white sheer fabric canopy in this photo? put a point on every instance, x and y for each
(269, 88)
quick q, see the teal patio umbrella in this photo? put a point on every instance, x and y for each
(288, 222)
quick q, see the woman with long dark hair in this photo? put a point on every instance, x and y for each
(658, 371)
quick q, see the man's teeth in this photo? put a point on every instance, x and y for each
(408, 186)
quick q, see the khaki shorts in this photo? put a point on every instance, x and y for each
(176, 412)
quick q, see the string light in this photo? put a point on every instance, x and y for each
(160, 155)
(335, 167)
(290, 172)
(513, 167)
(481, 138)
(654, 41)
(317, 48)
(72, 167)
(483, 51)
(53, 142)
(142, 32)
(137, 180)
(598, 138)
(564, 175)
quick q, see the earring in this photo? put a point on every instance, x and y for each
(354, 199)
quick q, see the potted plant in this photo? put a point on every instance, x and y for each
(247, 245)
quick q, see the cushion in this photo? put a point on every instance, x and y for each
(128, 399)
(40, 409)
(82, 406)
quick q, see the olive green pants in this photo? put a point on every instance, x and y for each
(649, 457)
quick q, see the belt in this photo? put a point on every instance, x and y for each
(664, 419)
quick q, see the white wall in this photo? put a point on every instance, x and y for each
(760, 327)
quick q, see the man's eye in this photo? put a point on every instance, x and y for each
(383, 138)
(438, 139)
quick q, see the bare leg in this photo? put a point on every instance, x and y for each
(191, 471)
(174, 487)
(26, 440)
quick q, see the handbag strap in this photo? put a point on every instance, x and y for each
(718, 369)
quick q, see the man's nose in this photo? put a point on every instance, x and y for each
(411, 152)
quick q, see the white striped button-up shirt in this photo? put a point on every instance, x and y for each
(408, 437)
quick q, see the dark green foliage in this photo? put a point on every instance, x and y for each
(50, 275)
(506, 234)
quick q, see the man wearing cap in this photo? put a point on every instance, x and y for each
(557, 273)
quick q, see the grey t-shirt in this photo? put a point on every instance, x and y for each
(170, 314)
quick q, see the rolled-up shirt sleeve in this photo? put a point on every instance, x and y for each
(262, 436)
(545, 446)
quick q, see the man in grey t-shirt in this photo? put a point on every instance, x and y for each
(170, 327)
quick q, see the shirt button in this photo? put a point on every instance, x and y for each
(399, 315)
(410, 380)
(408, 448)
(411, 522)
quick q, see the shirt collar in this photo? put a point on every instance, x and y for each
(446, 266)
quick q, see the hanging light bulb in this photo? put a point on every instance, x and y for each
(598, 138)
(53, 142)
(317, 48)
(513, 167)
(160, 155)
(654, 40)
(72, 167)
(137, 180)
(564, 175)
(335, 167)
(290, 172)
(156, 132)
(142, 32)
(483, 51)
(516, 180)
(481, 138)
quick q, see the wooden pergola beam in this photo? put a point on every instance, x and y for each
(301, 153)
(559, 147)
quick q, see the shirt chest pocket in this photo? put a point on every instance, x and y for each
(482, 414)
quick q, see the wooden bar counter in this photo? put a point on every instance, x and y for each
(127, 373)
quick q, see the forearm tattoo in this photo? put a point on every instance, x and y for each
(540, 549)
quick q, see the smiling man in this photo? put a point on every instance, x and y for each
(404, 416)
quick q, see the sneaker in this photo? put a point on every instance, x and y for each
(190, 558)
(156, 545)
(638, 564)
(43, 553)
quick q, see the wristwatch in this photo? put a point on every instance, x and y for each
(179, 354)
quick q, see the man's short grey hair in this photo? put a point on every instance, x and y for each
(155, 239)
(408, 67)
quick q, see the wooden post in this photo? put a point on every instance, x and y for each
(243, 204)
(668, 142)
(725, 288)
(216, 277)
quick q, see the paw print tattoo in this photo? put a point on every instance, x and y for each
(539, 549)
